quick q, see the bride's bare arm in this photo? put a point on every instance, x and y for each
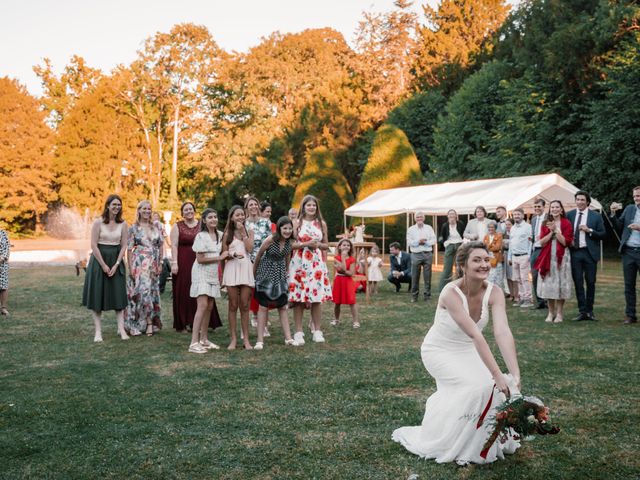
(453, 303)
(503, 335)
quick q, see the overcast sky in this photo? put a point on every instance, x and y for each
(109, 32)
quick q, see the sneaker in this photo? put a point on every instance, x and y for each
(258, 346)
(335, 322)
(318, 337)
(298, 337)
(197, 348)
(526, 304)
(292, 343)
(516, 303)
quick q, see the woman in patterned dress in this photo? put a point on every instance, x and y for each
(205, 281)
(183, 257)
(237, 242)
(5, 248)
(105, 280)
(554, 262)
(261, 228)
(144, 254)
(308, 275)
(270, 272)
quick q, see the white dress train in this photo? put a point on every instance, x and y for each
(465, 387)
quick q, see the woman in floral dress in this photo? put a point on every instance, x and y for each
(261, 228)
(308, 275)
(144, 254)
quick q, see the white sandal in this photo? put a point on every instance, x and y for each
(258, 346)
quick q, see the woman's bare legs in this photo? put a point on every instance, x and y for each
(196, 330)
(97, 321)
(354, 315)
(4, 298)
(234, 302)
(284, 321)
(262, 322)
(559, 311)
(297, 317)
(204, 324)
(245, 302)
(120, 321)
(316, 315)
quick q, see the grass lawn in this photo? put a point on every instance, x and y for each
(146, 408)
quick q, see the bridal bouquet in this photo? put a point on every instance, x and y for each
(525, 415)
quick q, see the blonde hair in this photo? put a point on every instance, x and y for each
(140, 205)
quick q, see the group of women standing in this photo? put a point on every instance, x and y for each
(262, 266)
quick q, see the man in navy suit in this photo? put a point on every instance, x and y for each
(588, 230)
(400, 266)
(629, 223)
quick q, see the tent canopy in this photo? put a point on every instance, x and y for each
(464, 197)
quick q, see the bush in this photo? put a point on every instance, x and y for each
(322, 179)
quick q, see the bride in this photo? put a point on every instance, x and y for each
(470, 385)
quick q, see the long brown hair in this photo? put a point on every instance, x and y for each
(306, 199)
(230, 227)
(562, 213)
(203, 222)
(105, 211)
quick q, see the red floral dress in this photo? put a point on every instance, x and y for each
(308, 274)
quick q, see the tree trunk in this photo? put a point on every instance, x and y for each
(173, 191)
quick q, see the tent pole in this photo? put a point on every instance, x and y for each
(345, 222)
(406, 242)
(435, 225)
(383, 245)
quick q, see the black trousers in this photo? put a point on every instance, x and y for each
(398, 281)
(630, 269)
(583, 271)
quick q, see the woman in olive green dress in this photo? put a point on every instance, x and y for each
(105, 282)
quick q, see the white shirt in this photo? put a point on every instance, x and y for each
(582, 239)
(415, 234)
(536, 234)
(454, 236)
(519, 242)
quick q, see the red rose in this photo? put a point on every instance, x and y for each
(326, 281)
(315, 292)
(318, 275)
(292, 287)
(308, 255)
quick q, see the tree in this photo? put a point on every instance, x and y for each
(99, 151)
(610, 151)
(163, 91)
(455, 34)
(26, 145)
(392, 163)
(417, 117)
(322, 179)
(385, 44)
(60, 93)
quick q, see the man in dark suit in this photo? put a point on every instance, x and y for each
(629, 224)
(588, 230)
(400, 266)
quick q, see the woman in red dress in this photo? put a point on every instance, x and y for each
(182, 236)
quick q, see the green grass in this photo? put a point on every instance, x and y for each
(147, 409)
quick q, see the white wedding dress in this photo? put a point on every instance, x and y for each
(449, 430)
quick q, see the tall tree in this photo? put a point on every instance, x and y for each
(163, 92)
(385, 43)
(61, 92)
(26, 146)
(99, 151)
(453, 37)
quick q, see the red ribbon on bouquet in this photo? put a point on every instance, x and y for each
(485, 451)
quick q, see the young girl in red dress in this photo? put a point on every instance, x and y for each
(344, 289)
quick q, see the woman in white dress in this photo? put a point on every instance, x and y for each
(469, 382)
(205, 279)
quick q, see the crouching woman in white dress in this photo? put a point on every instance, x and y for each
(470, 385)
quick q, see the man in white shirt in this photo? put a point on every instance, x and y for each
(536, 224)
(420, 238)
(518, 257)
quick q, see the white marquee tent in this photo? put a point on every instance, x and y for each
(437, 199)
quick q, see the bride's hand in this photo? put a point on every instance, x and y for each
(501, 384)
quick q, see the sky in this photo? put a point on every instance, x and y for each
(109, 32)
